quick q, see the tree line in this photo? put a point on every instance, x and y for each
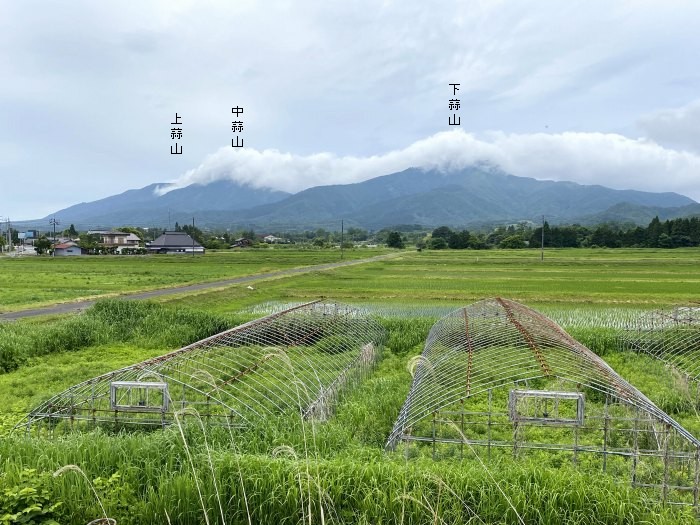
(673, 233)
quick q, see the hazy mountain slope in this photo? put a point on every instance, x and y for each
(146, 207)
(480, 194)
(640, 215)
(470, 196)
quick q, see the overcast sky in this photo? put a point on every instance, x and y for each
(604, 92)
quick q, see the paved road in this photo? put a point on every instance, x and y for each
(65, 308)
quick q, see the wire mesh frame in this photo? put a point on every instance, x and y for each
(671, 335)
(297, 360)
(475, 355)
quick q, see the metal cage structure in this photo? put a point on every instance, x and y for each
(299, 360)
(671, 335)
(497, 379)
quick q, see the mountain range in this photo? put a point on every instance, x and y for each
(476, 196)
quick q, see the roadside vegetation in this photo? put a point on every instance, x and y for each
(110, 321)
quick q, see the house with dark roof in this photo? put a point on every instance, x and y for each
(175, 242)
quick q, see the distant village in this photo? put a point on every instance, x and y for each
(117, 242)
(187, 240)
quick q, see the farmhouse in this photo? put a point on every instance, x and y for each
(116, 239)
(175, 242)
(66, 249)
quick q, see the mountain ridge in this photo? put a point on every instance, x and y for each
(475, 195)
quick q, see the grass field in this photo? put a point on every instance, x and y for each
(36, 281)
(286, 471)
(566, 279)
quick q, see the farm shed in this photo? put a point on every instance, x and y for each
(67, 249)
(295, 361)
(499, 380)
(671, 335)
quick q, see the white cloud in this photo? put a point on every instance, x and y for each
(89, 88)
(675, 127)
(588, 158)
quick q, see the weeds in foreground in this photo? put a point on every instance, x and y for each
(260, 475)
(76, 468)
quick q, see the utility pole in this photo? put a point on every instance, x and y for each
(341, 238)
(54, 222)
(5, 219)
(9, 234)
(542, 249)
(1, 233)
(192, 236)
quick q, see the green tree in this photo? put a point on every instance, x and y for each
(458, 240)
(394, 240)
(130, 229)
(604, 235)
(512, 241)
(71, 232)
(91, 242)
(536, 237)
(695, 231)
(215, 243)
(42, 245)
(249, 234)
(437, 243)
(665, 241)
(443, 232)
(654, 230)
(194, 232)
(357, 234)
(478, 242)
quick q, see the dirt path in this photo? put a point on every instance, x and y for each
(65, 308)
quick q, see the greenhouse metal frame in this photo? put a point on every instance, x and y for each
(497, 379)
(299, 360)
(671, 335)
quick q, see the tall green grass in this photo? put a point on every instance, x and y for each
(286, 470)
(146, 324)
(154, 480)
(602, 341)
